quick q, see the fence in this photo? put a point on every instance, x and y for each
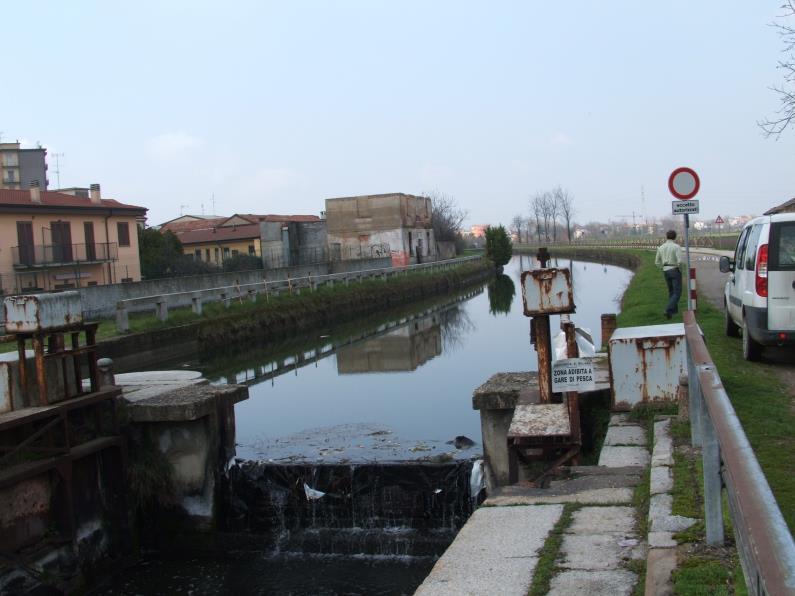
(250, 291)
(764, 544)
(644, 242)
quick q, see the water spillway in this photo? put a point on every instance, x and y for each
(347, 469)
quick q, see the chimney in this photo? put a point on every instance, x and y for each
(95, 195)
(35, 193)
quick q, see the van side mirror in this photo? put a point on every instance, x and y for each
(725, 264)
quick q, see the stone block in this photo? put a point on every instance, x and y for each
(661, 540)
(618, 456)
(671, 523)
(596, 551)
(603, 520)
(659, 565)
(662, 481)
(618, 582)
(660, 506)
(625, 435)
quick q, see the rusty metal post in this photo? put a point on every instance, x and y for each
(572, 350)
(573, 397)
(608, 327)
(544, 351)
(41, 373)
(23, 370)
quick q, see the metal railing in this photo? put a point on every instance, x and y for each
(39, 255)
(250, 291)
(764, 543)
(644, 242)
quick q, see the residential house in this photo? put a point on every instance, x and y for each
(371, 226)
(54, 241)
(215, 239)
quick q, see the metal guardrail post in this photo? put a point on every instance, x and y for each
(122, 317)
(696, 399)
(713, 485)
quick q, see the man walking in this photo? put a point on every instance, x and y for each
(669, 258)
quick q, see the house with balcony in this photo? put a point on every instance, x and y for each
(57, 240)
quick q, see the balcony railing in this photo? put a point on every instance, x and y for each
(45, 255)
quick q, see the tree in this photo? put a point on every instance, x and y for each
(498, 246)
(516, 226)
(159, 253)
(566, 203)
(446, 217)
(773, 127)
(537, 207)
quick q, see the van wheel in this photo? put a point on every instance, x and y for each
(732, 330)
(751, 349)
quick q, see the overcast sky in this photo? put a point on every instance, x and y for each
(273, 107)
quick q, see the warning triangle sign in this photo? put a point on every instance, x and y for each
(719, 220)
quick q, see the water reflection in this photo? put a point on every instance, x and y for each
(501, 293)
(404, 349)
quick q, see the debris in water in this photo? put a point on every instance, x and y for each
(420, 447)
(462, 442)
(312, 494)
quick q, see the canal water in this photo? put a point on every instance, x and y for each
(367, 397)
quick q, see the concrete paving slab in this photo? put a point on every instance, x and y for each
(603, 520)
(661, 481)
(625, 435)
(156, 377)
(671, 523)
(661, 540)
(599, 496)
(660, 506)
(596, 551)
(617, 419)
(659, 565)
(496, 549)
(618, 582)
(615, 456)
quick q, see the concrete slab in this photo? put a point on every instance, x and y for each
(496, 549)
(185, 403)
(671, 523)
(618, 582)
(599, 496)
(616, 456)
(596, 551)
(659, 565)
(157, 377)
(661, 481)
(603, 520)
(661, 540)
(660, 506)
(625, 435)
(540, 420)
(618, 419)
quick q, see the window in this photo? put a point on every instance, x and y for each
(123, 230)
(217, 258)
(198, 254)
(207, 254)
(739, 253)
(235, 252)
(27, 254)
(88, 234)
(226, 252)
(251, 250)
(61, 241)
(10, 160)
(750, 247)
(782, 246)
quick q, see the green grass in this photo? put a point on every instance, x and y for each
(546, 568)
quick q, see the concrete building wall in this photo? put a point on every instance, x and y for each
(32, 166)
(126, 267)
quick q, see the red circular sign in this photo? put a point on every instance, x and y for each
(683, 183)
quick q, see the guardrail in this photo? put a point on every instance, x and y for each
(250, 291)
(647, 242)
(764, 544)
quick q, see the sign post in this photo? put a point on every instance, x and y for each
(684, 184)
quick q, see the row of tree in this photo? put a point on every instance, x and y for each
(549, 209)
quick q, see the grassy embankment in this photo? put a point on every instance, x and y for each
(764, 408)
(295, 310)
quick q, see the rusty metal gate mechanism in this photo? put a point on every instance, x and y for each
(547, 426)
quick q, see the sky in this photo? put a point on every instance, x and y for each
(272, 107)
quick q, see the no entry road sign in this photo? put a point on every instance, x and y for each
(680, 207)
(684, 183)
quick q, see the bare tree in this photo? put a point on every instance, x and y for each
(554, 209)
(566, 203)
(773, 127)
(517, 223)
(537, 208)
(446, 216)
(547, 207)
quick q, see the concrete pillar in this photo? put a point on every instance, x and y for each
(161, 308)
(226, 300)
(122, 318)
(252, 295)
(105, 366)
(196, 304)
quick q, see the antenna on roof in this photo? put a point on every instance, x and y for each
(58, 156)
(181, 207)
(213, 213)
(202, 208)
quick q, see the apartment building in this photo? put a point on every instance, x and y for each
(19, 167)
(54, 240)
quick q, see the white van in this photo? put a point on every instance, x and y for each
(760, 292)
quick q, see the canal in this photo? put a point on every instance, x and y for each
(379, 392)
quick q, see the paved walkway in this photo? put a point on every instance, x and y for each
(497, 550)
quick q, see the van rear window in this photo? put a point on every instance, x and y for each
(782, 246)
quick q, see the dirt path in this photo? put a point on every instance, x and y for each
(710, 284)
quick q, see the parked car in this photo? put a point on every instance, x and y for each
(760, 293)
